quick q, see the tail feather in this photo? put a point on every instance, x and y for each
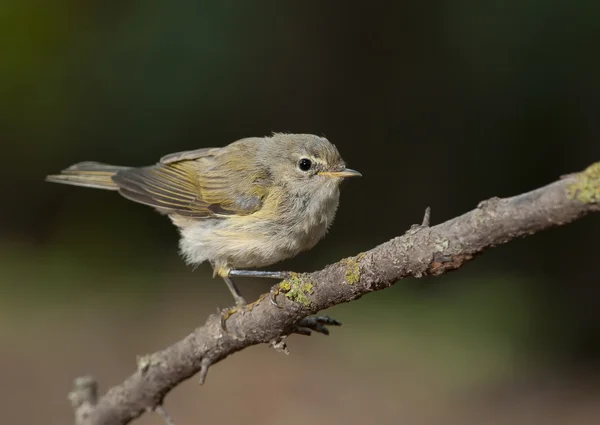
(89, 174)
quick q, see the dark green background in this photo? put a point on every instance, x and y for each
(437, 103)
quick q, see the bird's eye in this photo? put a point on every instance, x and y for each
(304, 164)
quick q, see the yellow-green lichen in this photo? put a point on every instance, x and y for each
(586, 187)
(297, 290)
(353, 269)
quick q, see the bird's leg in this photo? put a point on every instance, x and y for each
(259, 273)
(227, 273)
(223, 271)
(239, 300)
(267, 275)
(304, 327)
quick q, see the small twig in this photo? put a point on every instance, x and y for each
(204, 365)
(83, 397)
(427, 217)
(164, 414)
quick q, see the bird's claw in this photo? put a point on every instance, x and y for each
(277, 289)
(305, 326)
(239, 308)
(315, 323)
(226, 314)
(273, 296)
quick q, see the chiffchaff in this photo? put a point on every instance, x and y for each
(250, 204)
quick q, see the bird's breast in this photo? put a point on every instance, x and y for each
(285, 226)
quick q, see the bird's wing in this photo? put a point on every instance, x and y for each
(200, 184)
(186, 155)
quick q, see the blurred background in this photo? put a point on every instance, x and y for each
(437, 103)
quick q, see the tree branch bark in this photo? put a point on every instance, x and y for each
(421, 251)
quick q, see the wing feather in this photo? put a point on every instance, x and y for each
(187, 155)
(199, 184)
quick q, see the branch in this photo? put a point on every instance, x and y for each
(421, 251)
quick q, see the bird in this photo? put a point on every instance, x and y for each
(247, 205)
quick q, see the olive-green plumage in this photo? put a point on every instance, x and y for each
(250, 204)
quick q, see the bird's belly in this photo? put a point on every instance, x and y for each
(241, 242)
(277, 244)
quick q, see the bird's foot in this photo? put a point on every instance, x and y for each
(240, 304)
(281, 287)
(264, 275)
(315, 323)
(275, 290)
(305, 327)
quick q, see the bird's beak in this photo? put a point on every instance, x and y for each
(346, 172)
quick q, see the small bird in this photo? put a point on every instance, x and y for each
(252, 203)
